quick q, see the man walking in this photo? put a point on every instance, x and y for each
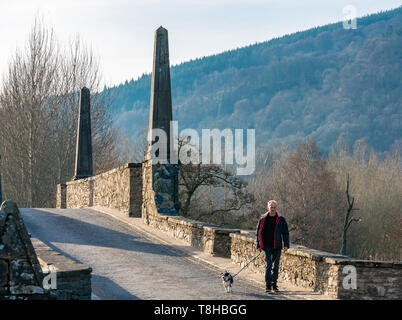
(272, 229)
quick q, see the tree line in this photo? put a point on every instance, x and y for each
(317, 83)
(348, 201)
(38, 116)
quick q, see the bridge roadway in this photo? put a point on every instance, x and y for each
(130, 260)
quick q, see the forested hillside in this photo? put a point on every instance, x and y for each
(320, 83)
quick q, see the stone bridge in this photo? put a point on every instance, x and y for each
(118, 235)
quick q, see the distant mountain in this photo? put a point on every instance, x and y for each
(320, 83)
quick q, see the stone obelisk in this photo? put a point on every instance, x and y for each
(161, 97)
(83, 156)
(164, 173)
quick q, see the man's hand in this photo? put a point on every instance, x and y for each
(285, 249)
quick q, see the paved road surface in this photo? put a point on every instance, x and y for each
(125, 263)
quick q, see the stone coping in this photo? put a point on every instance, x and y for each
(124, 166)
(327, 257)
(222, 230)
(65, 267)
(198, 224)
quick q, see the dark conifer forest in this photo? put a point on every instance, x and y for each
(320, 83)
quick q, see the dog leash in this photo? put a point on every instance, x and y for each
(247, 264)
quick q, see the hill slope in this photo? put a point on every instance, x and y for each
(318, 83)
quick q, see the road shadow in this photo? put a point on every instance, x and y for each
(255, 295)
(300, 293)
(50, 227)
(103, 287)
(107, 289)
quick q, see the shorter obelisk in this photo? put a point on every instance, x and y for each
(83, 156)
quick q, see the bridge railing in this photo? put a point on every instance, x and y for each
(333, 274)
(129, 190)
(119, 189)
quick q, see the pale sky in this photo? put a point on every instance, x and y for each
(121, 31)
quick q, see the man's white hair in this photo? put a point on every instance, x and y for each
(271, 202)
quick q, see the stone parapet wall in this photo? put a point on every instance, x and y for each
(119, 189)
(211, 239)
(325, 272)
(73, 280)
(148, 206)
(129, 189)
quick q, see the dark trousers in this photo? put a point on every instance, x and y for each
(272, 257)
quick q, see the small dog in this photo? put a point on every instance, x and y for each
(227, 281)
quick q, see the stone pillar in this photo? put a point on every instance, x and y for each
(61, 196)
(161, 98)
(83, 157)
(164, 175)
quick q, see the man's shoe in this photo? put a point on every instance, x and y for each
(275, 289)
(268, 289)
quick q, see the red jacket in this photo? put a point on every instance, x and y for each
(281, 232)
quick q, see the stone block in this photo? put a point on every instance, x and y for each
(21, 273)
(3, 273)
(11, 245)
(26, 289)
(3, 291)
(73, 279)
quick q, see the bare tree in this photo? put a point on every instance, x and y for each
(307, 193)
(376, 189)
(216, 192)
(193, 177)
(348, 217)
(27, 110)
(132, 149)
(38, 116)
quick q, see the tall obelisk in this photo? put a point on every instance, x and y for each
(161, 97)
(83, 156)
(164, 173)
